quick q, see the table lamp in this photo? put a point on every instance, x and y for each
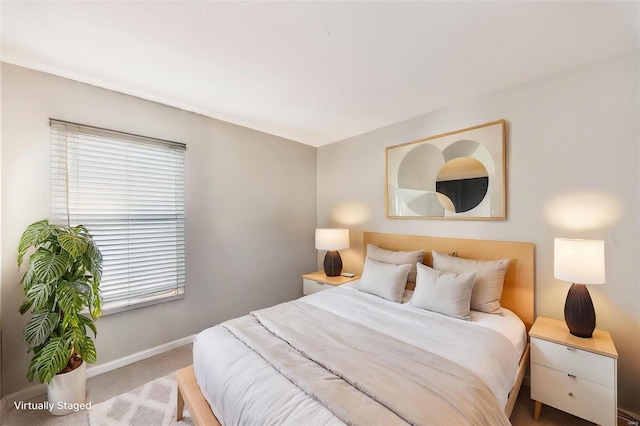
(332, 240)
(579, 262)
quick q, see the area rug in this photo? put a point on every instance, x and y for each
(151, 404)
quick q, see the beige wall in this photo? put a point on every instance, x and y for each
(250, 211)
(572, 140)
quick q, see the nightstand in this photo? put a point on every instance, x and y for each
(573, 374)
(318, 281)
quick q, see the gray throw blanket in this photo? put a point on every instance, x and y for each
(363, 376)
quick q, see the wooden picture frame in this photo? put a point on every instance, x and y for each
(455, 175)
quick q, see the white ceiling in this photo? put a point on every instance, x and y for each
(314, 72)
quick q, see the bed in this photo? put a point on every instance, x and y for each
(346, 356)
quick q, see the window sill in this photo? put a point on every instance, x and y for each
(109, 310)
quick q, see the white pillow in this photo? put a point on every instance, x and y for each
(447, 293)
(397, 258)
(384, 279)
(489, 279)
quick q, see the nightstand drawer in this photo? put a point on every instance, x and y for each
(582, 364)
(574, 395)
(310, 286)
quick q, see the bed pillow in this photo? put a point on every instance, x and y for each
(384, 279)
(397, 258)
(487, 289)
(447, 293)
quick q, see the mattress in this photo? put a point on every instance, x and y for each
(244, 386)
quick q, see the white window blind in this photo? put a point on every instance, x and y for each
(128, 191)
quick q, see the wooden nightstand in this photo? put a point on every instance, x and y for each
(575, 375)
(318, 281)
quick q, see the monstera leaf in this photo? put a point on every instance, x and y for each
(39, 328)
(35, 234)
(72, 243)
(53, 357)
(48, 266)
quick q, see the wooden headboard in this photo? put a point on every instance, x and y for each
(518, 290)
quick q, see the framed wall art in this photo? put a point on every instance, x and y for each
(456, 175)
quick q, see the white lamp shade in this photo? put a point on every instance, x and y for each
(332, 239)
(579, 261)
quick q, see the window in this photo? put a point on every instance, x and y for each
(128, 191)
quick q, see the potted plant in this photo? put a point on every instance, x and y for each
(61, 282)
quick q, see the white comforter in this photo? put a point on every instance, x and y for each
(244, 388)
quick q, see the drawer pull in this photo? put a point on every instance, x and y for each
(570, 349)
(570, 393)
(571, 375)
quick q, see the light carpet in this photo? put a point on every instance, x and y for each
(151, 404)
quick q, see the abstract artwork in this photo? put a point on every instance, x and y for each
(455, 175)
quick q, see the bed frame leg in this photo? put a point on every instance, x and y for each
(179, 405)
(189, 394)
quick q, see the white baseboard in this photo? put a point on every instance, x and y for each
(138, 356)
(40, 389)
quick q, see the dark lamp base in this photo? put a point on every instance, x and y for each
(578, 311)
(332, 264)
